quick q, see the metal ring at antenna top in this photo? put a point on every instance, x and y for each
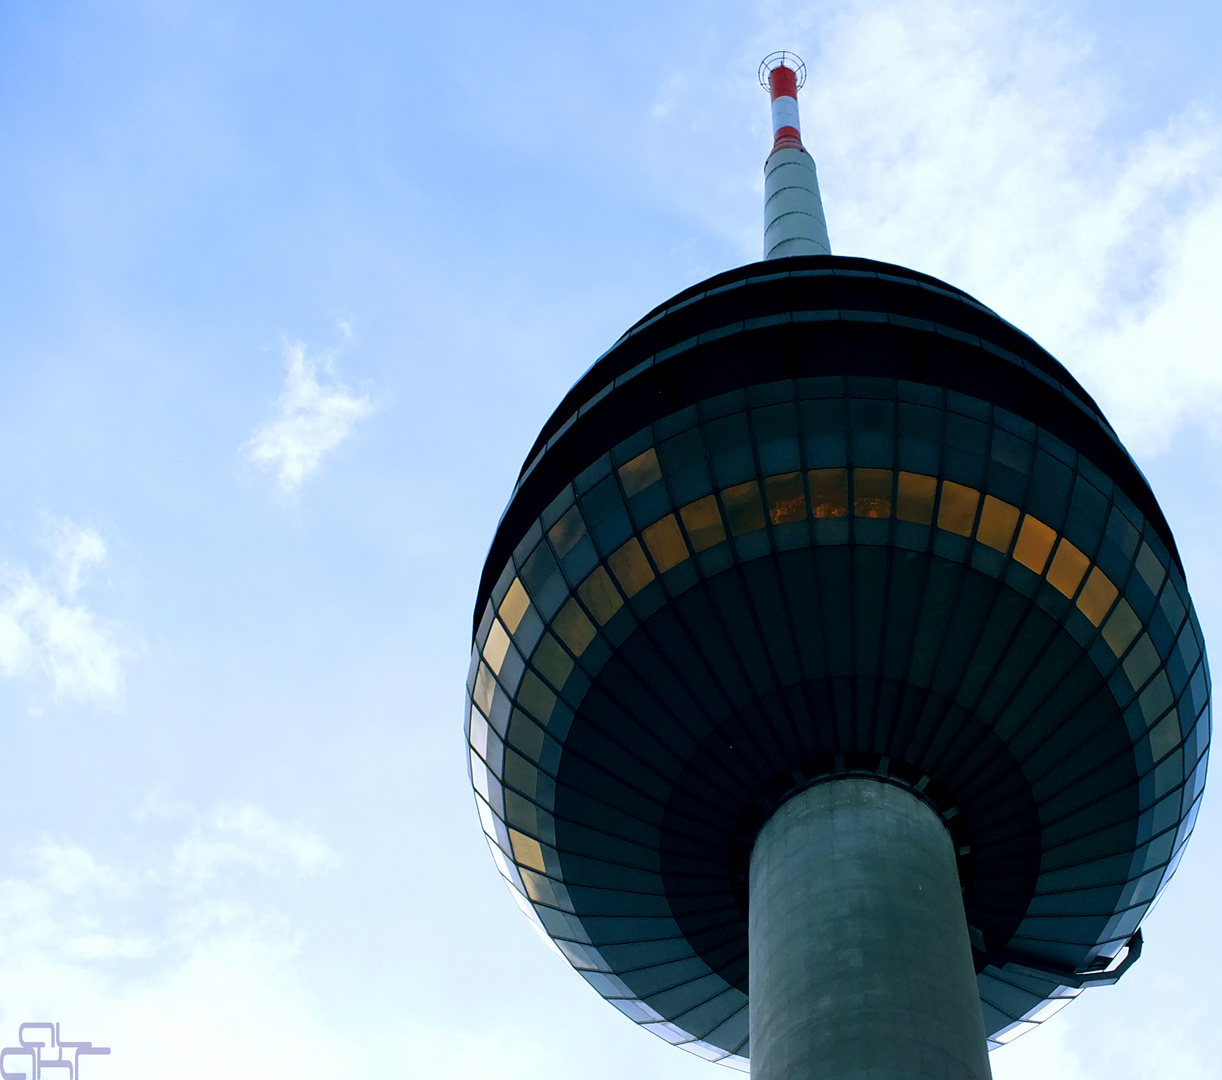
(782, 59)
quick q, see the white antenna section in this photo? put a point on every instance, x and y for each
(793, 211)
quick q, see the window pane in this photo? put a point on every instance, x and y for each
(514, 606)
(829, 492)
(567, 531)
(665, 543)
(957, 512)
(575, 630)
(496, 647)
(1034, 545)
(916, 497)
(1068, 569)
(872, 493)
(643, 470)
(997, 523)
(1122, 627)
(1097, 596)
(527, 851)
(786, 498)
(743, 508)
(599, 595)
(702, 520)
(552, 662)
(630, 567)
(1150, 568)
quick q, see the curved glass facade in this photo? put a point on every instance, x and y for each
(825, 575)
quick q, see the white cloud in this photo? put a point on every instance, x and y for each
(179, 974)
(44, 631)
(979, 143)
(245, 835)
(309, 420)
(988, 144)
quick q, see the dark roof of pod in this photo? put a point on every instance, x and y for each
(1027, 379)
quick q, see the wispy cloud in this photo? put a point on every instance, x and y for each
(45, 632)
(233, 836)
(987, 146)
(179, 973)
(991, 146)
(309, 420)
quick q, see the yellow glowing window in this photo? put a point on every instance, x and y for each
(496, 647)
(872, 493)
(786, 498)
(957, 511)
(527, 851)
(552, 662)
(744, 510)
(829, 492)
(630, 567)
(599, 595)
(1068, 569)
(574, 629)
(665, 543)
(514, 606)
(1121, 627)
(567, 531)
(916, 497)
(1095, 599)
(1034, 544)
(643, 470)
(702, 520)
(997, 523)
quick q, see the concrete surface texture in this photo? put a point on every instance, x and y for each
(860, 963)
(794, 222)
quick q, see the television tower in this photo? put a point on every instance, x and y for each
(837, 705)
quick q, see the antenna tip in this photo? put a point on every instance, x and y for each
(784, 59)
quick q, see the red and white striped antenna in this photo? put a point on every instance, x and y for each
(783, 74)
(793, 209)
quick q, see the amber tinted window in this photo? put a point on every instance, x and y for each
(997, 523)
(599, 595)
(702, 520)
(957, 511)
(639, 473)
(917, 494)
(665, 543)
(1034, 544)
(872, 493)
(1068, 568)
(1097, 596)
(630, 567)
(786, 498)
(744, 510)
(829, 492)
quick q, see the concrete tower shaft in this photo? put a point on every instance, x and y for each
(860, 959)
(794, 223)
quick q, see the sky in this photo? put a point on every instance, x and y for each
(286, 292)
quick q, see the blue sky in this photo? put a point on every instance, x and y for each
(286, 292)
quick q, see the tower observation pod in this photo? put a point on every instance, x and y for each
(837, 705)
